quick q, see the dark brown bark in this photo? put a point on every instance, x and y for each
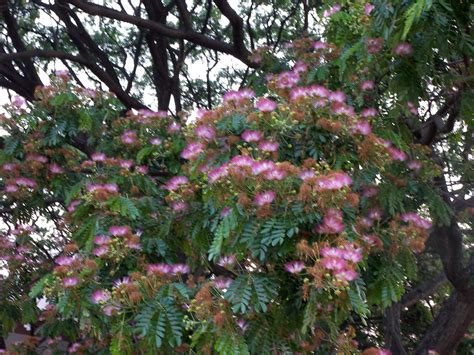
(449, 327)
(392, 332)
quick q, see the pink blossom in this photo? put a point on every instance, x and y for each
(205, 132)
(101, 250)
(174, 127)
(125, 164)
(18, 101)
(175, 182)
(72, 206)
(361, 127)
(370, 191)
(100, 296)
(225, 212)
(307, 174)
(412, 108)
(332, 222)
(22, 181)
(9, 188)
(332, 10)
(98, 156)
(223, 282)
(119, 231)
(70, 281)
(227, 260)
(102, 239)
(251, 136)
(368, 112)
(397, 154)
(242, 160)
(268, 146)
(417, 220)
(346, 275)
(264, 198)
(274, 174)
(129, 137)
(65, 260)
(217, 173)
(320, 45)
(415, 165)
(9, 166)
(178, 269)
(403, 49)
(262, 166)
(156, 141)
(333, 263)
(332, 252)
(122, 282)
(367, 85)
(133, 245)
(179, 206)
(337, 96)
(192, 150)
(319, 91)
(287, 79)
(160, 269)
(368, 8)
(334, 181)
(242, 324)
(56, 169)
(142, 169)
(110, 310)
(110, 187)
(294, 267)
(238, 96)
(266, 105)
(300, 67)
(352, 255)
(37, 158)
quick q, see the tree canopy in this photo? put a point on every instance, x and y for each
(322, 204)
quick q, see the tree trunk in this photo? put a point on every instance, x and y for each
(392, 333)
(450, 325)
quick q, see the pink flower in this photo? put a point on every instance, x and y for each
(367, 85)
(332, 252)
(266, 105)
(178, 269)
(22, 181)
(332, 10)
(227, 260)
(370, 191)
(332, 223)
(11, 188)
(294, 267)
(287, 79)
(352, 255)
(223, 282)
(125, 164)
(264, 198)
(179, 206)
(156, 141)
(403, 49)
(129, 137)
(70, 281)
(65, 260)
(262, 166)
(417, 220)
(110, 187)
(333, 263)
(334, 181)
(174, 127)
(159, 269)
(205, 132)
(122, 282)
(274, 174)
(337, 96)
(306, 175)
(175, 182)
(142, 169)
(119, 231)
(101, 250)
(251, 136)
(217, 173)
(415, 165)
(368, 112)
(397, 154)
(412, 108)
(361, 127)
(55, 169)
(98, 156)
(9, 166)
(110, 310)
(242, 160)
(100, 296)
(346, 275)
(368, 8)
(72, 206)
(320, 45)
(102, 239)
(268, 146)
(18, 101)
(242, 324)
(192, 150)
(238, 96)
(37, 158)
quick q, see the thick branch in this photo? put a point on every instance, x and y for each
(424, 289)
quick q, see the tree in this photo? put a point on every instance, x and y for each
(334, 210)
